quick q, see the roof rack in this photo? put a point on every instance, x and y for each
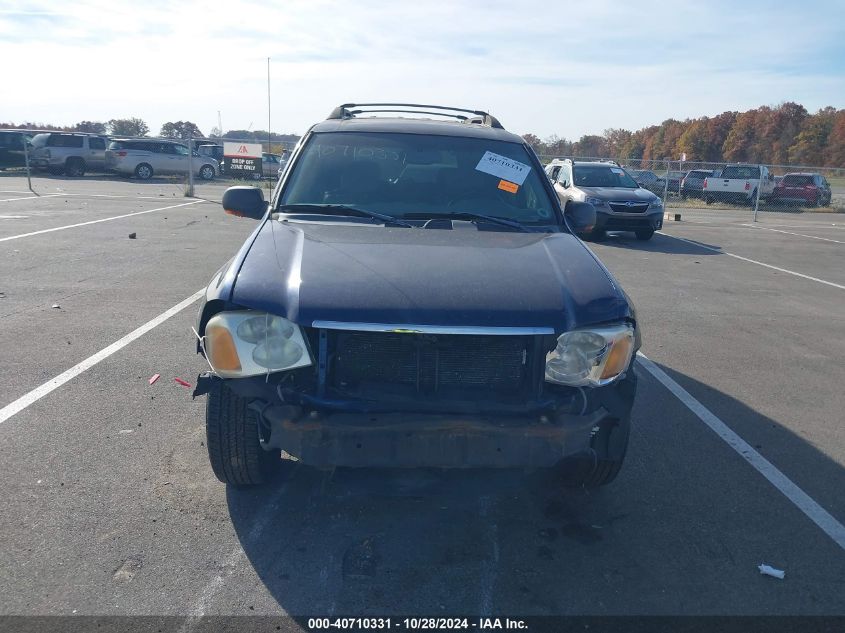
(350, 110)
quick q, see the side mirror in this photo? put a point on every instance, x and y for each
(245, 202)
(581, 216)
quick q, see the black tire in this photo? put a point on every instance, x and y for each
(232, 439)
(597, 235)
(143, 171)
(207, 172)
(644, 234)
(709, 199)
(610, 444)
(75, 167)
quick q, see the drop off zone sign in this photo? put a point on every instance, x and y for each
(243, 158)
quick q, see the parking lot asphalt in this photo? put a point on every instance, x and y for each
(110, 506)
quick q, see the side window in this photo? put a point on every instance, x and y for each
(95, 142)
(555, 171)
(565, 177)
(165, 148)
(180, 150)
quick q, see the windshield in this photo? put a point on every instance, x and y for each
(603, 176)
(741, 173)
(398, 174)
(797, 181)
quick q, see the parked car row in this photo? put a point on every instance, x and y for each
(620, 208)
(74, 154)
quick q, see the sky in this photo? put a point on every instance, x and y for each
(565, 68)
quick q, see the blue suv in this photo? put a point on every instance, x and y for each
(415, 295)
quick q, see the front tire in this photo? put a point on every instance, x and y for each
(143, 171)
(207, 172)
(709, 199)
(75, 167)
(644, 234)
(609, 446)
(232, 438)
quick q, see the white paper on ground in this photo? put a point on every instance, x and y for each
(771, 571)
(503, 167)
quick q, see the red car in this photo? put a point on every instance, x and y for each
(805, 189)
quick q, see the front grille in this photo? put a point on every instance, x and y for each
(425, 364)
(622, 207)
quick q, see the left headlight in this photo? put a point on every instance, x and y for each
(592, 357)
(250, 343)
(596, 202)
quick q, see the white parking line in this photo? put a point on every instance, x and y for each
(751, 261)
(114, 217)
(817, 514)
(39, 392)
(814, 237)
(47, 195)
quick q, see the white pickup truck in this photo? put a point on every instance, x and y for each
(739, 184)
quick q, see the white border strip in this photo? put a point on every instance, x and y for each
(750, 261)
(817, 514)
(812, 237)
(47, 195)
(115, 217)
(39, 392)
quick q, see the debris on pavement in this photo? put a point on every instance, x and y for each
(154, 377)
(771, 571)
(124, 431)
(184, 383)
(132, 236)
(57, 306)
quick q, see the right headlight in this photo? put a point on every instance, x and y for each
(591, 357)
(250, 343)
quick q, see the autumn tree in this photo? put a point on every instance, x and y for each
(180, 130)
(127, 127)
(91, 127)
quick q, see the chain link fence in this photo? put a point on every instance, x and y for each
(754, 188)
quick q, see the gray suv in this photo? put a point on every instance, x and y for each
(68, 153)
(620, 203)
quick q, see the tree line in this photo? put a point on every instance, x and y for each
(781, 135)
(138, 127)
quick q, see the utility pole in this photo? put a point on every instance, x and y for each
(219, 124)
(268, 105)
(189, 192)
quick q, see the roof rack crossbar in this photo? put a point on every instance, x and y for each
(346, 111)
(457, 116)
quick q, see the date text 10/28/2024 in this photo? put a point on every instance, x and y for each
(415, 624)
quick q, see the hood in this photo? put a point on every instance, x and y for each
(460, 277)
(619, 193)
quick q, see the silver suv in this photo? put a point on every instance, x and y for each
(68, 153)
(620, 203)
(144, 158)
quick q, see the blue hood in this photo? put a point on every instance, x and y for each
(464, 276)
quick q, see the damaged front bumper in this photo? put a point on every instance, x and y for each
(330, 436)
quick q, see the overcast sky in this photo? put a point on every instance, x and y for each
(566, 68)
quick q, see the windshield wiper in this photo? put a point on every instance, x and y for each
(341, 209)
(468, 215)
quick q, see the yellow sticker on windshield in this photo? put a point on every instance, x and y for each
(508, 186)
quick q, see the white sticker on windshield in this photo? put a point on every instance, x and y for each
(616, 170)
(503, 167)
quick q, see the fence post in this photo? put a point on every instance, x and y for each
(26, 160)
(666, 183)
(189, 192)
(757, 199)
